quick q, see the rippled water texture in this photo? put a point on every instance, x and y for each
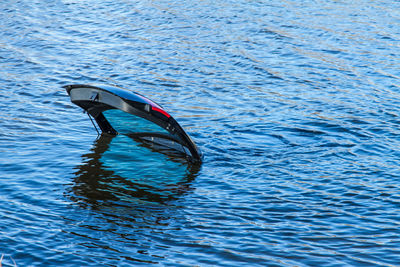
(295, 105)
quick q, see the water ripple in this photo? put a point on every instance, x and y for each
(294, 104)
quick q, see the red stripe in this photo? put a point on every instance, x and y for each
(161, 111)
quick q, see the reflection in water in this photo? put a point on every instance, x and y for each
(121, 170)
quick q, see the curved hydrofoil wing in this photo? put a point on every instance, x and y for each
(120, 111)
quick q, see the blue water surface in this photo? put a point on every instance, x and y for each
(295, 105)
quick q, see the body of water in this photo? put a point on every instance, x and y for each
(295, 105)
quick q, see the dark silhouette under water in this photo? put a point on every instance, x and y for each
(158, 176)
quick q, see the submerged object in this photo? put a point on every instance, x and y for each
(116, 110)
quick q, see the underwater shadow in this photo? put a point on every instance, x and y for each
(121, 170)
